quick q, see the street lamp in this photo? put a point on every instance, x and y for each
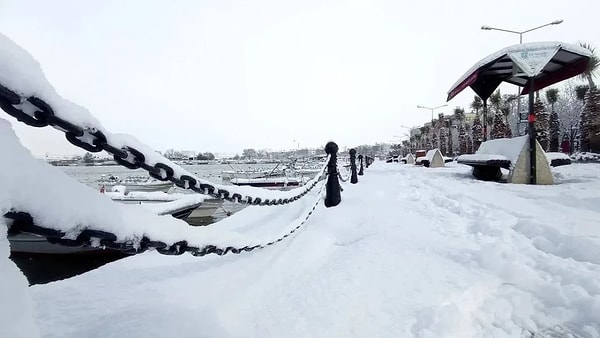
(432, 109)
(488, 28)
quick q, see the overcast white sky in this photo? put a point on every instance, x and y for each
(226, 75)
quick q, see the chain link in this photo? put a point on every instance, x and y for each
(22, 222)
(94, 140)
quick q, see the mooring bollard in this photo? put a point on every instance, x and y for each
(368, 160)
(334, 196)
(353, 177)
(360, 159)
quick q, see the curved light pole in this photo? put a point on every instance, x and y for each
(488, 28)
(432, 109)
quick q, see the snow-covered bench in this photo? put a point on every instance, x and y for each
(432, 159)
(512, 154)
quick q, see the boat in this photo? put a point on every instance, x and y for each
(133, 183)
(180, 206)
(280, 182)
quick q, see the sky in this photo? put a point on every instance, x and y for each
(227, 75)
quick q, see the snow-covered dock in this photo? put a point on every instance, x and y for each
(410, 252)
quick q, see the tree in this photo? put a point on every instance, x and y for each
(542, 123)
(462, 139)
(592, 66)
(470, 145)
(477, 134)
(88, 158)
(584, 134)
(499, 129)
(249, 153)
(459, 114)
(443, 140)
(477, 104)
(590, 138)
(552, 97)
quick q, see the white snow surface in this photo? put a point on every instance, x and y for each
(16, 306)
(466, 259)
(409, 252)
(498, 149)
(57, 201)
(523, 46)
(431, 153)
(21, 73)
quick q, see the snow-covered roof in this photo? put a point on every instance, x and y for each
(472, 74)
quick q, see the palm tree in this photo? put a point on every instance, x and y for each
(459, 114)
(552, 97)
(477, 104)
(580, 92)
(592, 67)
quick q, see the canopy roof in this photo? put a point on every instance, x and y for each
(544, 62)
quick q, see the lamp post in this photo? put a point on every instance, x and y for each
(488, 28)
(432, 109)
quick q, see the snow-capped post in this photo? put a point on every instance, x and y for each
(353, 177)
(360, 159)
(369, 160)
(333, 188)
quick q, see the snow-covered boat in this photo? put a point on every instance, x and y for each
(179, 206)
(280, 182)
(133, 183)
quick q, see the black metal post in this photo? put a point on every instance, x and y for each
(360, 159)
(353, 177)
(367, 160)
(531, 121)
(484, 120)
(333, 189)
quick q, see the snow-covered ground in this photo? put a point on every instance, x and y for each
(410, 252)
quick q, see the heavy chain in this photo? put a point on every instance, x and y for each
(22, 222)
(94, 140)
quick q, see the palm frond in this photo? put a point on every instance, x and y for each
(552, 95)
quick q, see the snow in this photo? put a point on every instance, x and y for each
(488, 260)
(20, 72)
(430, 154)
(59, 202)
(557, 156)
(16, 306)
(466, 258)
(586, 157)
(482, 157)
(498, 149)
(515, 48)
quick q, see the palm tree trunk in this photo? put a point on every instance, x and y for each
(591, 82)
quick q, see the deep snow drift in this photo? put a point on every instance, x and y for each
(410, 252)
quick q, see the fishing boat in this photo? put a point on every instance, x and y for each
(281, 182)
(133, 183)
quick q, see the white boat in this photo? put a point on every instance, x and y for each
(280, 182)
(133, 183)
